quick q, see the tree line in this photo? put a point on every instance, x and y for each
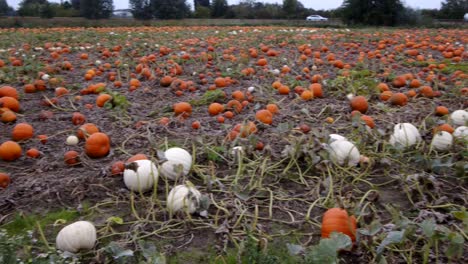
(365, 12)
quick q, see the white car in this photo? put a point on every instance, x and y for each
(316, 18)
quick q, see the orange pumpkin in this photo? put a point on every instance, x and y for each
(10, 103)
(220, 82)
(183, 109)
(317, 90)
(22, 131)
(215, 108)
(264, 116)
(6, 115)
(136, 157)
(117, 168)
(71, 157)
(4, 180)
(368, 120)
(359, 103)
(78, 118)
(8, 91)
(444, 127)
(307, 95)
(273, 108)
(10, 151)
(399, 99)
(33, 153)
(86, 130)
(441, 111)
(426, 91)
(102, 99)
(97, 145)
(338, 220)
(166, 81)
(386, 95)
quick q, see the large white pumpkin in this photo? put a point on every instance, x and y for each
(76, 236)
(176, 156)
(342, 151)
(461, 132)
(336, 137)
(442, 140)
(405, 134)
(183, 197)
(459, 117)
(140, 175)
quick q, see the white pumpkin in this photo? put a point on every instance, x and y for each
(183, 197)
(342, 151)
(140, 175)
(442, 140)
(72, 140)
(172, 169)
(405, 134)
(176, 156)
(459, 117)
(461, 132)
(76, 236)
(336, 137)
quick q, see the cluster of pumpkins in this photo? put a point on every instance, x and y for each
(140, 176)
(404, 135)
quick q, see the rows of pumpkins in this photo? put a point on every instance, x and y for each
(141, 175)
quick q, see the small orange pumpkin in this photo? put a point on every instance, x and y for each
(33, 153)
(264, 116)
(71, 157)
(139, 156)
(22, 131)
(86, 130)
(10, 103)
(441, 111)
(4, 180)
(183, 109)
(359, 103)
(317, 90)
(215, 108)
(78, 118)
(8, 91)
(444, 127)
(117, 168)
(399, 99)
(338, 220)
(97, 145)
(10, 151)
(102, 99)
(166, 81)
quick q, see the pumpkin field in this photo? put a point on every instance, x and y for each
(233, 145)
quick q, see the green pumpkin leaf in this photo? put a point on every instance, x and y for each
(393, 237)
(428, 227)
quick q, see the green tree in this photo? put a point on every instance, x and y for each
(96, 9)
(30, 7)
(372, 12)
(76, 4)
(201, 3)
(46, 11)
(141, 9)
(219, 8)
(202, 12)
(454, 9)
(5, 9)
(289, 8)
(170, 9)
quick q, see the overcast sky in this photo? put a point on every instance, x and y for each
(315, 4)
